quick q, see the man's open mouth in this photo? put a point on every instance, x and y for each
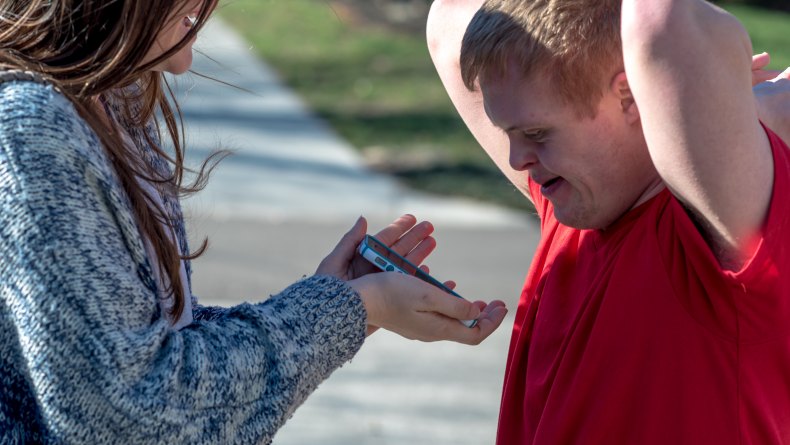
(551, 182)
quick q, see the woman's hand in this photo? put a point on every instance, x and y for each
(772, 94)
(404, 304)
(759, 73)
(404, 236)
(417, 310)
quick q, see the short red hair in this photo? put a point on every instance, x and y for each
(575, 43)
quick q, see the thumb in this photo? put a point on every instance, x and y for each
(760, 61)
(452, 306)
(349, 242)
(336, 263)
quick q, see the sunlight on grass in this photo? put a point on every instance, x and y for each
(377, 87)
(769, 30)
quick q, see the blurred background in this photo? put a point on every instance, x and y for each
(340, 113)
(364, 67)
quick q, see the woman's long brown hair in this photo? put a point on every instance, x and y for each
(94, 49)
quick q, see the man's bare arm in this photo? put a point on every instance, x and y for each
(701, 124)
(447, 23)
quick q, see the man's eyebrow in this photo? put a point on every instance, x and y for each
(522, 127)
(515, 127)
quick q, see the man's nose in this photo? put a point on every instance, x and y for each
(522, 154)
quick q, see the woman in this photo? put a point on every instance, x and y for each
(102, 341)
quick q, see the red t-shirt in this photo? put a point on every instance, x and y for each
(635, 335)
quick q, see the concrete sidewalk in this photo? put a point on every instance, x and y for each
(280, 204)
(290, 165)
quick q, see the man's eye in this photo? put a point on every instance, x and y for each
(535, 135)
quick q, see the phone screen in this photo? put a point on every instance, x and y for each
(392, 256)
(402, 263)
(389, 260)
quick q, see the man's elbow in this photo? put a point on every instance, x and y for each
(432, 31)
(441, 24)
(659, 29)
(447, 22)
(646, 26)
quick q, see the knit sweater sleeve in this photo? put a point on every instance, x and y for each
(206, 313)
(103, 363)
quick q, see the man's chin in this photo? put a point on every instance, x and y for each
(582, 221)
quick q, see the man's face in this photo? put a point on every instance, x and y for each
(592, 170)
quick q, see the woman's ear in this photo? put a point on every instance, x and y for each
(622, 91)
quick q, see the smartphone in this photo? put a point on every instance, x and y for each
(388, 260)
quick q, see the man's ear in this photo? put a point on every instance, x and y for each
(622, 91)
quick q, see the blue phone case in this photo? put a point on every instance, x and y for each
(388, 260)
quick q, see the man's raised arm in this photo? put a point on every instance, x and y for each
(701, 124)
(445, 30)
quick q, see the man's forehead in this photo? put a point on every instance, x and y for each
(511, 70)
(517, 95)
(513, 78)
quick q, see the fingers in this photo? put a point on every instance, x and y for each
(496, 304)
(404, 235)
(448, 305)
(415, 237)
(417, 310)
(783, 75)
(449, 283)
(759, 73)
(760, 61)
(759, 77)
(488, 321)
(424, 248)
(390, 234)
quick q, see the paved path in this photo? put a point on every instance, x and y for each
(275, 208)
(290, 165)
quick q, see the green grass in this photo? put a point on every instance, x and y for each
(378, 89)
(769, 30)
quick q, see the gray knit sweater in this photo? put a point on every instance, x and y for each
(86, 356)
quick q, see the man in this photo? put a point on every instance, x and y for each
(657, 308)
